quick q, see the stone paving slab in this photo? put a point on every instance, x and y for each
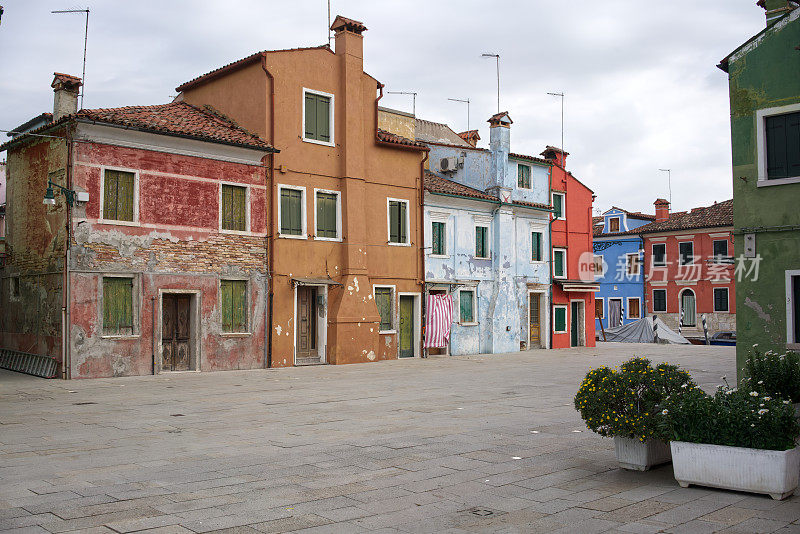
(446, 445)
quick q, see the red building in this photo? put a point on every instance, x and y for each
(572, 257)
(689, 270)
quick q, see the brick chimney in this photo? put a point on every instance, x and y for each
(65, 99)
(775, 9)
(470, 136)
(556, 155)
(662, 209)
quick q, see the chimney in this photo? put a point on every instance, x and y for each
(349, 41)
(499, 148)
(470, 136)
(65, 99)
(775, 9)
(662, 209)
(556, 155)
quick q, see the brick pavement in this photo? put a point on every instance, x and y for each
(460, 444)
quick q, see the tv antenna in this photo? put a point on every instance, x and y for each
(413, 96)
(467, 102)
(85, 38)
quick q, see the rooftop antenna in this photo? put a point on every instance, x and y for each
(461, 100)
(414, 99)
(561, 94)
(329, 23)
(669, 182)
(497, 57)
(85, 37)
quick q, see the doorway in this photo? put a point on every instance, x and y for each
(614, 312)
(534, 321)
(688, 310)
(309, 299)
(577, 332)
(438, 351)
(406, 327)
(176, 333)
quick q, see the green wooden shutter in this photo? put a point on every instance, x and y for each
(480, 242)
(783, 145)
(383, 299)
(311, 116)
(403, 207)
(536, 246)
(438, 245)
(793, 144)
(323, 118)
(291, 212)
(465, 304)
(523, 176)
(117, 306)
(225, 305)
(125, 196)
(558, 206)
(239, 305)
(110, 195)
(558, 258)
(560, 319)
(394, 221)
(234, 208)
(326, 215)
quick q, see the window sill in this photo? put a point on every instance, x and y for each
(290, 236)
(317, 142)
(721, 311)
(316, 238)
(234, 232)
(387, 332)
(560, 277)
(660, 311)
(235, 334)
(560, 332)
(119, 223)
(777, 181)
(439, 256)
(392, 244)
(481, 257)
(538, 262)
(634, 318)
(468, 324)
(119, 337)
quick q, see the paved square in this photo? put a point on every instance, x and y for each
(460, 444)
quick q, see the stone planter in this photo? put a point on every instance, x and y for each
(736, 468)
(635, 455)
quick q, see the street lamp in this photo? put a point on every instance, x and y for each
(50, 197)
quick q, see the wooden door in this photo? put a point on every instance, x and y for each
(575, 325)
(175, 333)
(306, 325)
(406, 326)
(535, 327)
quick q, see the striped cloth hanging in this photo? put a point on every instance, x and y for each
(438, 320)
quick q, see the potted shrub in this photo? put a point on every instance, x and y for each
(775, 375)
(735, 439)
(623, 404)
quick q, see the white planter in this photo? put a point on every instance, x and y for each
(638, 456)
(736, 468)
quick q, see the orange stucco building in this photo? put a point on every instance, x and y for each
(345, 219)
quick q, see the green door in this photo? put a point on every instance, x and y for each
(406, 326)
(574, 325)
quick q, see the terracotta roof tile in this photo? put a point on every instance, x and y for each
(177, 118)
(497, 117)
(530, 158)
(550, 148)
(532, 205)
(389, 137)
(437, 184)
(348, 24)
(719, 214)
(636, 214)
(66, 79)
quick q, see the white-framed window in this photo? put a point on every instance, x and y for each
(318, 115)
(537, 248)
(686, 252)
(659, 254)
(634, 308)
(632, 267)
(467, 306)
(777, 131)
(397, 221)
(385, 301)
(327, 215)
(598, 265)
(292, 211)
(599, 308)
(557, 200)
(721, 303)
(234, 208)
(439, 239)
(660, 300)
(721, 251)
(482, 241)
(119, 196)
(613, 224)
(560, 319)
(523, 176)
(793, 309)
(559, 263)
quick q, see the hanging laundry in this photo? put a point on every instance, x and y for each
(438, 320)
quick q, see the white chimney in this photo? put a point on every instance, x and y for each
(65, 99)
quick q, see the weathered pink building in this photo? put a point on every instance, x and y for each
(166, 263)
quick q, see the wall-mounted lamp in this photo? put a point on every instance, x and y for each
(70, 195)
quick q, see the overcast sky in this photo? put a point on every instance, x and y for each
(642, 90)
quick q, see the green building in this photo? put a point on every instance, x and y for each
(764, 79)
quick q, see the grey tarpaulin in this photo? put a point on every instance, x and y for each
(641, 331)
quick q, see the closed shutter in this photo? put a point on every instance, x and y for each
(523, 176)
(558, 259)
(403, 215)
(383, 299)
(291, 212)
(118, 195)
(118, 306)
(659, 300)
(323, 118)
(480, 242)
(438, 239)
(397, 222)
(110, 196)
(465, 302)
(793, 144)
(234, 209)
(311, 116)
(560, 319)
(598, 308)
(326, 215)
(536, 246)
(558, 201)
(233, 296)
(633, 309)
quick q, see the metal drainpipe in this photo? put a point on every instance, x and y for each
(550, 286)
(66, 316)
(643, 311)
(423, 304)
(153, 327)
(270, 231)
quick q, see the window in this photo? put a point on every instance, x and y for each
(557, 200)
(117, 306)
(384, 299)
(599, 309)
(536, 246)
(291, 212)
(318, 117)
(598, 266)
(481, 242)
(783, 145)
(559, 263)
(720, 299)
(634, 308)
(720, 251)
(613, 224)
(793, 308)
(327, 215)
(439, 245)
(659, 300)
(234, 208)
(632, 264)
(523, 176)
(118, 195)
(560, 319)
(686, 251)
(398, 221)
(466, 305)
(234, 305)
(659, 254)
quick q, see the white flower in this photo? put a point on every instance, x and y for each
(754, 394)
(684, 385)
(752, 424)
(760, 382)
(664, 412)
(786, 402)
(762, 411)
(766, 399)
(755, 345)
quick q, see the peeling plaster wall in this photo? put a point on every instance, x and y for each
(540, 186)
(476, 171)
